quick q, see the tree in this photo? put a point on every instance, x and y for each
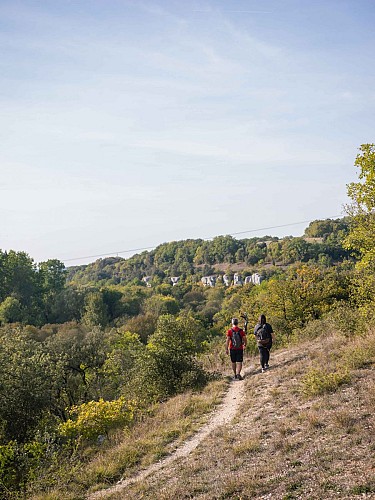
(362, 209)
(28, 375)
(159, 304)
(52, 276)
(81, 355)
(95, 310)
(295, 249)
(169, 362)
(122, 364)
(362, 223)
(66, 305)
(10, 310)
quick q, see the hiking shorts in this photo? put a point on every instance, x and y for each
(236, 355)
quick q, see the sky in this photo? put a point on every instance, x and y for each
(125, 124)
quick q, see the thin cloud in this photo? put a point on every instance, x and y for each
(236, 11)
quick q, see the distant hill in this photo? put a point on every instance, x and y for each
(322, 241)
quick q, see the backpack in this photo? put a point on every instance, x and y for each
(263, 335)
(236, 339)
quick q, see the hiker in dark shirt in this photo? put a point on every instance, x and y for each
(264, 336)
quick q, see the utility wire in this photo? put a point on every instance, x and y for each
(209, 238)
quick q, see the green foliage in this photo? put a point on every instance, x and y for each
(318, 381)
(19, 464)
(158, 305)
(96, 313)
(169, 365)
(28, 376)
(80, 355)
(327, 228)
(66, 305)
(290, 300)
(11, 311)
(33, 287)
(98, 417)
(143, 324)
(122, 363)
(362, 223)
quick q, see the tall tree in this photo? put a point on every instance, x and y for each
(362, 223)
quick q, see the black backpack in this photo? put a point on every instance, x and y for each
(263, 335)
(236, 339)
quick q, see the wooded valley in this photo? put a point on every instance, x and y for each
(89, 350)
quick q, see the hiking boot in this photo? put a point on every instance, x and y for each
(239, 377)
(263, 370)
(266, 367)
(235, 377)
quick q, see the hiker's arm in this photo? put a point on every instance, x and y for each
(272, 334)
(227, 345)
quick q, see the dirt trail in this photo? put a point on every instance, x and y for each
(302, 443)
(225, 412)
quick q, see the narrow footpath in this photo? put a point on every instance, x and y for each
(224, 413)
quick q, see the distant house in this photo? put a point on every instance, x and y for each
(175, 280)
(147, 280)
(255, 279)
(237, 279)
(226, 280)
(209, 280)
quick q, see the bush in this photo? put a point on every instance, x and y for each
(98, 417)
(169, 364)
(318, 381)
(19, 463)
(347, 320)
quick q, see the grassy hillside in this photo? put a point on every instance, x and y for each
(305, 430)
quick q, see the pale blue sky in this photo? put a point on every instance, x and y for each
(127, 124)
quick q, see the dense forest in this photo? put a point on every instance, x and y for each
(88, 349)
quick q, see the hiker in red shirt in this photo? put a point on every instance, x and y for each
(236, 343)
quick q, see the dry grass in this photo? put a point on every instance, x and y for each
(164, 429)
(305, 430)
(284, 446)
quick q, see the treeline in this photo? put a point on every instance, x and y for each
(110, 291)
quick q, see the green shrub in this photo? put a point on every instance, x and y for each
(317, 381)
(19, 463)
(98, 417)
(347, 320)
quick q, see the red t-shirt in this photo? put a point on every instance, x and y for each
(230, 333)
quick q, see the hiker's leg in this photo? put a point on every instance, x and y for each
(239, 359)
(233, 358)
(261, 356)
(266, 356)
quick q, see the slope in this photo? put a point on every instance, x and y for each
(304, 429)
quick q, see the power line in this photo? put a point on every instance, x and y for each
(110, 253)
(209, 238)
